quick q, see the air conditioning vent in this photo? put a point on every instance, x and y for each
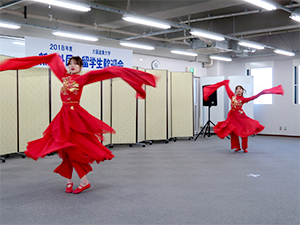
(242, 54)
(212, 47)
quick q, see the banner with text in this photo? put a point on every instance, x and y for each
(93, 56)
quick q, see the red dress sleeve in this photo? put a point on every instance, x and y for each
(53, 60)
(228, 90)
(134, 78)
(208, 90)
(275, 90)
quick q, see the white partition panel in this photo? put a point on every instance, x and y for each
(182, 104)
(156, 107)
(91, 99)
(169, 106)
(216, 112)
(140, 136)
(141, 120)
(123, 112)
(55, 95)
(8, 111)
(33, 104)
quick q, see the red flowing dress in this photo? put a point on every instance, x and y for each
(74, 131)
(237, 121)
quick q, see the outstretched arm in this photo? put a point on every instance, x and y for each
(53, 60)
(208, 90)
(134, 78)
(275, 90)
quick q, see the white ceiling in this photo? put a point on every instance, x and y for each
(236, 19)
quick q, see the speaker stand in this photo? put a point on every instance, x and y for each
(206, 128)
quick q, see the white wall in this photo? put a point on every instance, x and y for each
(173, 65)
(282, 112)
(8, 48)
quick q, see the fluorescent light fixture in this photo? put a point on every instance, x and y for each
(282, 52)
(295, 16)
(146, 21)
(222, 58)
(18, 43)
(184, 53)
(75, 36)
(262, 4)
(207, 34)
(66, 4)
(136, 45)
(250, 44)
(9, 25)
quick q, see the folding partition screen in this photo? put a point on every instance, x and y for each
(140, 120)
(55, 95)
(123, 112)
(140, 114)
(8, 111)
(24, 113)
(182, 104)
(157, 107)
(91, 99)
(33, 104)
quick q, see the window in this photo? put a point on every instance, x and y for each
(262, 79)
(297, 85)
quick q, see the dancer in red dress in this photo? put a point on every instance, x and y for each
(74, 133)
(238, 124)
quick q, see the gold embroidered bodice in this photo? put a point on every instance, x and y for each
(236, 104)
(69, 86)
(70, 91)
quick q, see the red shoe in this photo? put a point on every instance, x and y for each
(69, 188)
(245, 151)
(238, 149)
(81, 188)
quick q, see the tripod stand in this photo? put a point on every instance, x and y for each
(206, 128)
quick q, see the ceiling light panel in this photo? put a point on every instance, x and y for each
(222, 58)
(9, 25)
(262, 4)
(295, 16)
(184, 53)
(66, 4)
(283, 52)
(146, 21)
(75, 36)
(251, 45)
(207, 34)
(136, 45)
(18, 43)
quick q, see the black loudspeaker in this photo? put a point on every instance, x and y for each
(212, 101)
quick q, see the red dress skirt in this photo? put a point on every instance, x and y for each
(237, 122)
(73, 126)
